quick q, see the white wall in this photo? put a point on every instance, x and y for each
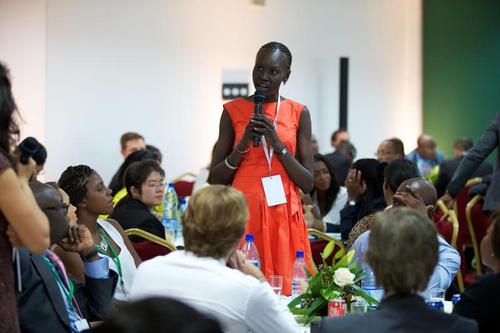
(156, 67)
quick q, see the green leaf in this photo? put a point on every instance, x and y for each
(328, 250)
(316, 306)
(330, 294)
(313, 264)
(357, 291)
(294, 302)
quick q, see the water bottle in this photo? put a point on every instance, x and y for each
(250, 250)
(169, 217)
(299, 275)
(179, 238)
(369, 285)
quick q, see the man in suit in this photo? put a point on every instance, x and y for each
(488, 142)
(448, 167)
(341, 159)
(426, 156)
(403, 269)
(49, 300)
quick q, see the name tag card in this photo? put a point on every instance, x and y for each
(82, 325)
(274, 191)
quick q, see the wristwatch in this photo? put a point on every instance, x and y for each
(351, 203)
(90, 255)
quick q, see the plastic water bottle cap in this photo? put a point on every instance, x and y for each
(300, 254)
(170, 185)
(249, 237)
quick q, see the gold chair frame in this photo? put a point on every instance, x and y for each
(322, 235)
(150, 237)
(472, 232)
(451, 217)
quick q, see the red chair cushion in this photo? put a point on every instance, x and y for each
(184, 188)
(148, 250)
(317, 246)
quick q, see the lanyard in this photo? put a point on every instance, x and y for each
(269, 154)
(69, 290)
(115, 257)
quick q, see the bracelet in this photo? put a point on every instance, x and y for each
(242, 152)
(90, 255)
(229, 165)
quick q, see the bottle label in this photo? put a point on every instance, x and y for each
(255, 262)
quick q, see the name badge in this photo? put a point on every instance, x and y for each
(82, 325)
(273, 190)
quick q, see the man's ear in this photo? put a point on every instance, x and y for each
(430, 210)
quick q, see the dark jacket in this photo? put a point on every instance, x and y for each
(401, 314)
(488, 142)
(41, 307)
(481, 301)
(448, 168)
(132, 213)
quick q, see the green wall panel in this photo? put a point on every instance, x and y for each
(461, 68)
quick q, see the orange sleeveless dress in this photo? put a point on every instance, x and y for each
(279, 231)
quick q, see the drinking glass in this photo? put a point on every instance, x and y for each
(276, 282)
(437, 294)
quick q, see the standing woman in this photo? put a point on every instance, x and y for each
(92, 198)
(282, 161)
(21, 221)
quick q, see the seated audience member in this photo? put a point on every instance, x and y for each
(481, 301)
(403, 269)
(364, 193)
(338, 159)
(118, 188)
(426, 156)
(390, 150)
(241, 299)
(157, 315)
(130, 142)
(328, 198)
(420, 194)
(92, 198)
(32, 147)
(395, 173)
(144, 182)
(448, 167)
(65, 197)
(489, 141)
(50, 300)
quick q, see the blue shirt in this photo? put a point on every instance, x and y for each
(98, 269)
(444, 272)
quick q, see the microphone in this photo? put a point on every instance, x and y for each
(258, 99)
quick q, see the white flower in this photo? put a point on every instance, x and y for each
(343, 277)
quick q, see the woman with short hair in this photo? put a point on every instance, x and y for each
(144, 182)
(242, 300)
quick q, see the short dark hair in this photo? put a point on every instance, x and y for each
(126, 137)
(9, 130)
(138, 172)
(397, 172)
(73, 181)
(337, 132)
(136, 156)
(402, 250)
(159, 315)
(463, 144)
(397, 145)
(155, 150)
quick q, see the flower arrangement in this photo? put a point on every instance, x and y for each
(341, 279)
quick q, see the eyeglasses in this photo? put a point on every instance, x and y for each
(155, 184)
(63, 208)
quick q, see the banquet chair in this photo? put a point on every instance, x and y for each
(184, 184)
(478, 224)
(318, 245)
(152, 246)
(449, 218)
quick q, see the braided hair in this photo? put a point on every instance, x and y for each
(74, 182)
(274, 46)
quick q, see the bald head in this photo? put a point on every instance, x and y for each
(423, 187)
(51, 203)
(426, 147)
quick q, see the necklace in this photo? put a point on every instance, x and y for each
(102, 245)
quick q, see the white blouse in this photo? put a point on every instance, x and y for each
(126, 261)
(333, 215)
